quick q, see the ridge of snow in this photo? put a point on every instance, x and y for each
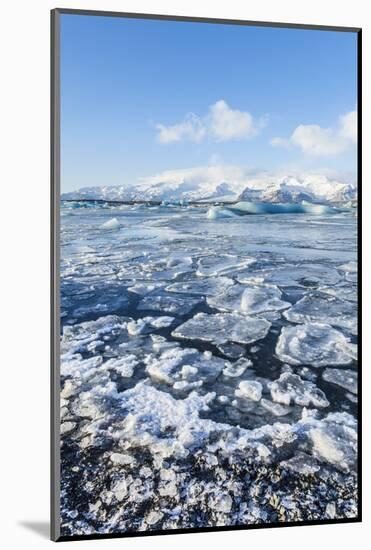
(225, 183)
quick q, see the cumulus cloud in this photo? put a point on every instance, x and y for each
(227, 123)
(314, 140)
(221, 123)
(348, 126)
(191, 129)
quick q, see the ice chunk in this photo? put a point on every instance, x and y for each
(250, 299)
(302, 463)
(170, 303)
(124, 365)
(77, 338)
(80, 368)
(345, 378)
(302, 275)
(314, 344)
(121, 459)
(223, 327)
(221, 502)
(211, 286)
(275, 408)
(170, 425)
(183, 366)
(67, 427)
(233, 370)
(222, 264)
(290, 388)
(350, 267)
(321, 308)
(147, 324)
(144, 288)
(154, 517)
(231, 350)
(335, 442)
(217, 212)
(249, 389)
(343, 292)
(113, 223)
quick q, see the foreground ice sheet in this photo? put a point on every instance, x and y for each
(208, 367)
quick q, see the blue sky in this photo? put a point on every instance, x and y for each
(265, 98)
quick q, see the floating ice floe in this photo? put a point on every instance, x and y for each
(236, 369)
(207, 287)
(276, 409)
(290, 388)
(146, 325)
(223, 327)
(124, 365)
(324, 308)
(170, 303)
(169, 267)
(144, 288)
(249, 389)
(303, 275)
(342, 292)
(222, 264)
(185, 365)
(314, 344)
(113, 223)
(249, 299)
(231, 350)
(345, 378)
(78, 338)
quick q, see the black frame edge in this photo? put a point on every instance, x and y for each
(196, 19)
(54, 272)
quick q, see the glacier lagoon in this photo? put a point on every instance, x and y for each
(208, 367)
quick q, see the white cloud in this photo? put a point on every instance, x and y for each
(221, 124)
(227, 123)
(191, 129)
(348, 126)
(314, 140)
(280, 142)
(317, 141)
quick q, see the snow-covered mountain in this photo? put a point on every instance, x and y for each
(225, 183)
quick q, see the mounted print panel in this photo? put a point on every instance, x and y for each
(205, 180)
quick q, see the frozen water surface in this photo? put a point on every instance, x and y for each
(208, 367)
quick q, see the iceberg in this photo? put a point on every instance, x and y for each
(243, 208)
(113, 223)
